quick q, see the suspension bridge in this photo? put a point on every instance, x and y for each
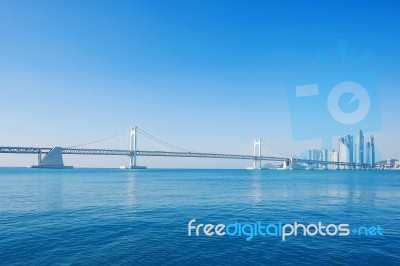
(52, 157)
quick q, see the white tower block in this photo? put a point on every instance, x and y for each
(133, 151)
(257, 152)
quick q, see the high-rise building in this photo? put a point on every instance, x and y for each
(335, 158)
(346, 149)
(372, 151)
(360, 148)
(368, 153)
(343, 150)
(350, 147)
(315, 155)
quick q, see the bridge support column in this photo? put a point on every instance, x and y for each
(39, 159)
(132, 145)
(53, 159)
(289, 164)
(257, 154)
(133, 149)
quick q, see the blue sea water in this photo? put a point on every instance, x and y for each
(140, 217)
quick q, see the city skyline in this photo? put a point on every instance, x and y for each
(350, 151)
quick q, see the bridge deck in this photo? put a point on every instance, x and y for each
(75, 151)
(36, 150)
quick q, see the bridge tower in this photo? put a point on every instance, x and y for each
(257, 153)
(132, 144)
(133, 150)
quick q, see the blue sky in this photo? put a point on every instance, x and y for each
(205, 75)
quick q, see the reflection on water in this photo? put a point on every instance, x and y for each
(33, 189)
(257, 187)
(105, 216)
(53, 194)
(131, 190)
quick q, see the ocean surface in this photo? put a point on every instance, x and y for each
(140, 217)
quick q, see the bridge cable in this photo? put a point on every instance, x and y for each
(96, 141)
(272, 149)
(144, 133)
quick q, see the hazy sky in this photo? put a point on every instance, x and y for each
(204, 75)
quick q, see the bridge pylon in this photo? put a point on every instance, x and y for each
(133, 151)
(257, 155)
